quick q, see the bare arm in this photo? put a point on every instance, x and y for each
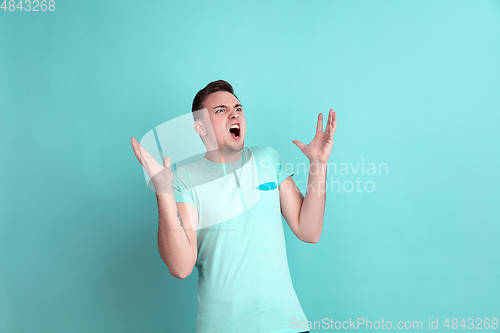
(177, 241)
(177, 223)
(305, 215)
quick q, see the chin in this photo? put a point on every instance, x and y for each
(232, 148)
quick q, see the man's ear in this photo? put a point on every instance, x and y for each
(199, 128)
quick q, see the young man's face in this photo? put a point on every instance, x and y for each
(228, 120)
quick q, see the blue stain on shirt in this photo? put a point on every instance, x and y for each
(267, 186)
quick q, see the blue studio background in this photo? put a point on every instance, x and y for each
(415, 85)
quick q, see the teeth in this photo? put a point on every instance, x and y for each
(235, 126)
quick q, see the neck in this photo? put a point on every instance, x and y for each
(223, 156)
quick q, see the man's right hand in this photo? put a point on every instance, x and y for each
(161, 176)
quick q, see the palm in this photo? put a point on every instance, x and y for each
(161, 176)
(320, 148)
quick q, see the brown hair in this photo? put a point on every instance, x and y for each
(219, 85)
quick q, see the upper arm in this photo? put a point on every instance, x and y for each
(189, 218)
(291, 199)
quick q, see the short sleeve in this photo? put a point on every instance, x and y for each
(182, 192)
(282, 171)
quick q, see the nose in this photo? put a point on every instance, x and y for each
(233, 114)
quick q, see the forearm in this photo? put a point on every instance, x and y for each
(173, 243)
(313, 206)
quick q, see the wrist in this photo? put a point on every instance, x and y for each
(317, 167)
(316, 162)
(164, 191)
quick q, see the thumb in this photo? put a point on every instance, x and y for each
(299, 144)
(166, 162)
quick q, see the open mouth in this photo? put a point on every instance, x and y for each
(235, 131)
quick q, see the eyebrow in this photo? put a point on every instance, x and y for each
(225, 106)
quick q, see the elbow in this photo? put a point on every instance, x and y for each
(180, 270)
(312, 240)
(180, 274)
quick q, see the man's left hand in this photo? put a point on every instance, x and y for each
(320, 148)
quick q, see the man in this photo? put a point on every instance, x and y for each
(229, 205)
